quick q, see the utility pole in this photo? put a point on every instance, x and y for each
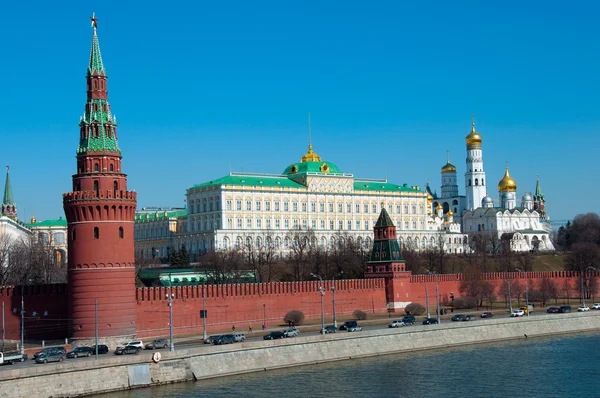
(96, 309)
(205, 314)
(3, 326)
(427, 300)
(334, 317)
(22, 323)
(509, 297)
(171, 342)
(437, 300)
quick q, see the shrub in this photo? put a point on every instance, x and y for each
(294, 317)
(360, 315)
(465, 302)
(414, 309)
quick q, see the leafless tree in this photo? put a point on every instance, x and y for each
(567, 289)
(300, 247)
(547, 289)
(31, 262)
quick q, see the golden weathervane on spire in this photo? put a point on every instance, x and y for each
(94, 21)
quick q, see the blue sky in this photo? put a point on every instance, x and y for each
(199, 87)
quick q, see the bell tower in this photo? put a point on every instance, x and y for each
(386, 262)
(100, 213)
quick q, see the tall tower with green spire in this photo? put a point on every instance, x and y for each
(9, 208)
(539, 202)
(100, 213)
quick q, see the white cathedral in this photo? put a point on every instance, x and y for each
(527, 226)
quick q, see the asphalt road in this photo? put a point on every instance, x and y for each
(258, 336)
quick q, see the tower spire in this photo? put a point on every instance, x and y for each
(8, 204)
(96, 64)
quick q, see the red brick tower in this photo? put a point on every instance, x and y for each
(100, 213)
(386, 262)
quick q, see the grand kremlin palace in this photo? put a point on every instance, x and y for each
(256, 210)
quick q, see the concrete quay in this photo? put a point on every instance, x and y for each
(113, 373)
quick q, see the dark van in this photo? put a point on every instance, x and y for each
(348, 324)
(564, 308)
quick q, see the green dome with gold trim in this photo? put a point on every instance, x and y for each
(311, 163)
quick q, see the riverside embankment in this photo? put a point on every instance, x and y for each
(113, 373)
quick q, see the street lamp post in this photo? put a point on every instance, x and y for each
(437, 299)
(526, 290)
(205, 313)
(333, 300)
(322, 291)
(509, 296)
(171, 342)
(264, 316)
(22, 323)
(427, 301)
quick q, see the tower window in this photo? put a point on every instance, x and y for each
(116, 186)
(121, 232)
(469, 182)
(74, 234)
(96, 186)
(95, 84)
(112, 168)
(482, 183)
(476, 181)
(96, 233)
(96, 167)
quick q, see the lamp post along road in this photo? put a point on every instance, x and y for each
(322, 291)
(427, 301)
(96, 316)
(205, 314)
(333, 300)
(171, 342)
(22, 323)
(437, 299)
(509, 297)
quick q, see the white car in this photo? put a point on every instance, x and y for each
(517, 313)
(355, 328)
(136, 343)
(396, 324)
(291, 332)
(596, 306)
(583, 308)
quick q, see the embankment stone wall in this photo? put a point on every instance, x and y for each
(76, 378)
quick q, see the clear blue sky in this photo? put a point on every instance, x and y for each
(200, 86)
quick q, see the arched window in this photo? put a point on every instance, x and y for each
(96, 186)
(96, 167)
(476, 181)
(112, 168)
(96, 233)
(482, 183)
(469, 182)
(95, 84)
(116, 186)
(121, 232)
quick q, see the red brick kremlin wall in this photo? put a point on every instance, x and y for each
(46, 306)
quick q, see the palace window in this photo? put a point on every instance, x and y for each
(357, 208)
(422, 209)
(340, 224)
(295, 206)
(314, 224)
(304, 224)
(349, 225)
(276, 206)
(268, 222)
(414, 209)
(258, 223)
(348, 208)
(339, 207)
(304, 206)
(367, 225)
(313, 207)
(414, 225)
(331, 207)
(228, 204)
(331, 225)
(405, 209)
(249, 223)
(277, 224)
(257, 205)
(286, 206)
(268, 205)
(295, 223)
(286, 224)
(322, 223)
(229, 223)
(239, 223)
(238, 205)
(357, 225)
(248, 205)
(374, 208)
(406, 225)
(322, 207)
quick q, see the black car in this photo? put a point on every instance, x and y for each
(348, 324)
(487, 314)
(128, 349)
(564, 309)
(160, 343)
(458, 317)
(469, 318)
(409, 320)
(47, 350)
(274, 336)
(329, 329)
(102, 349)
(225, 339)
(211, 339)
(430, 321)
(553, 310)
(80, 352)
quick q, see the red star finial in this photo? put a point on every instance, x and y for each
(94, 21)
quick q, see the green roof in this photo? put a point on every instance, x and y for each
(384, 219)
(364, 185)
(160, 214)
(49, 223)
(8, 196)
(96, 64)
(312, 167)
(253, 180)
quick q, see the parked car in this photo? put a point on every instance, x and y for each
(564, 309)
(469, 318)
(211, 339)
(50, 356)
(136, 343)
(102, 349)
(225, 339)
(348, 324)
(487, 314)
(517, 313)
(553, 310)
(160, 343)
(274, 336)
(430, 321)
(528, 309)
(583, 308)
(408, 320)
(291, 332)
(596, 306)
(355, 328)
(458, 317)
(128, 349)
(239, 337)
(80, 352)
(397, 324)
(329, 329)
(46, 350)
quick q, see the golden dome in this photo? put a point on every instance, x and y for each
(449, 168)
(507, 183)
(450, 214)
(473, 138)
(33, 220)
(439, 207)
(310, 156)
(429, 197)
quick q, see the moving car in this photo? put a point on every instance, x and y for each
(396, 324)
(469, 318)
(128, 349)
(564, 309)
(408, 320)
(553, 310)
(274, 336)
(46, 350)
(517, 313)
(355, 328)
(11, 358)
(596, 306)
(239, 337)
(430, 321)
(225, 339)
(329, 329)
(348, 324)
(136, 343)
(583, 308)
(50, 356)
(160, 343)
(487, 314)
(211, 339)
(102, 349)
(80, 352)
(291, 332)
(458, 317)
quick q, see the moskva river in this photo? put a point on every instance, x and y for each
(550, 367)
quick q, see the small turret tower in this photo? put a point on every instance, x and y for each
(9, 208)
(100, 213)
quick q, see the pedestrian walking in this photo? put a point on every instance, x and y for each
(233, 328)
(250, 328)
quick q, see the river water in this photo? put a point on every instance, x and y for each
(567, 366)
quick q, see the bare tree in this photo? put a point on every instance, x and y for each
(547, 289)
(567, 289)
(300, 241)
(31, 262)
